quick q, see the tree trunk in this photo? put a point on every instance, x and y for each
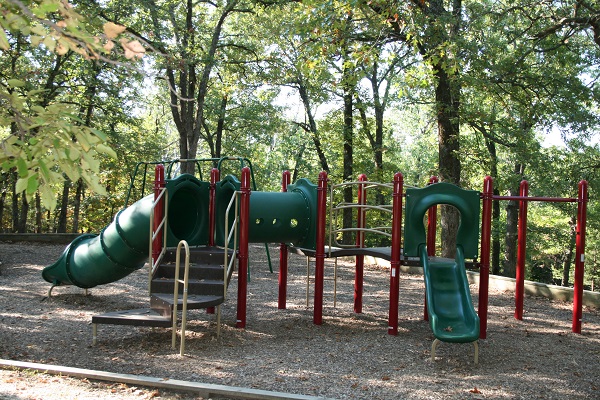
(312, 126)
(569, 255)
(77, 206)
(348, 132)
(22, 227)
(491, 147)
(447, 94)
(496, 234)
(38, 213)
(15, 203)
(2, 204)
(64, 206)
(512, 222)
(298, 159)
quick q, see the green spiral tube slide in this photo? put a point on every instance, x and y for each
(120, 249)
(123, 246)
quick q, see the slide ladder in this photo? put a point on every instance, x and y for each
(206, 288)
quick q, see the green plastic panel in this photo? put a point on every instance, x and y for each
(418, 201)
(188, 211)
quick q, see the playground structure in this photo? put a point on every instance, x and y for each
(186, 208)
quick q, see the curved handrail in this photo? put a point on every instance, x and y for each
(176, 283)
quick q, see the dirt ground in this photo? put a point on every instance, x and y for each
(350, 356)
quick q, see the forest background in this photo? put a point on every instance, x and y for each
(458, 89)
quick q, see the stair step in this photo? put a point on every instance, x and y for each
(196, 271)
(195, 287)
(199, 255)
(138, 317)
(163, 302)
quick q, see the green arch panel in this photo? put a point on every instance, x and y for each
(418, 201)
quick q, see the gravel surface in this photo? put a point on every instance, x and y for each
(350, 356)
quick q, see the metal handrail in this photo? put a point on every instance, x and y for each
(176, 283)
(230, 265)
(153, 264)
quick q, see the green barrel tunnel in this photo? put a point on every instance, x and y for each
(275, 217)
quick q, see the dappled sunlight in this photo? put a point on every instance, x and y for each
(354, 351)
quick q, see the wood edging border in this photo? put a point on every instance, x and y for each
(203, 389)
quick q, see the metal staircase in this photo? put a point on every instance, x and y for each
(207, 286)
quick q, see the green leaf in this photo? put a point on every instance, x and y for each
(32, 184)
(46, 175)
(104, 149)
(21, 185)
(22, 168)
(15, 83)
(4, 45)
(47, 197)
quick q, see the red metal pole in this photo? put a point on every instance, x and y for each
(521, 252)
(431, 235)
(214, 178)
(243, 248)
(431, 223)
(360, 242)
(484, 265)
(395, 256)
(283, 254)
(159, 210)
(582, 199)
(320, 247)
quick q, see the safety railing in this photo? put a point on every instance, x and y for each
(154, 234)
(176, 282)
(362, 208)
(229, 265)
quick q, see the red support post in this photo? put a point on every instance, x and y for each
(283, 254)
(431, 236)
(360, 242)
(521, 251)
(243, 248)
(395, 256)
(431, 223)
(484, 264)
(582, 200)
(214, 178)
(320, 247)
(159, 210)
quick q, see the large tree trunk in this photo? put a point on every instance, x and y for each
(348, 132)
(447, 94)
(187, 84)
(512, 222)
